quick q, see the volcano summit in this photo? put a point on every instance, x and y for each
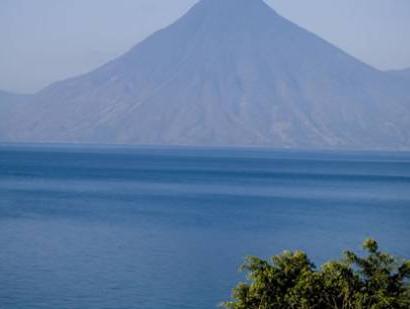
(229, 72)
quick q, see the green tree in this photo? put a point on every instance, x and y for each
(290, 280)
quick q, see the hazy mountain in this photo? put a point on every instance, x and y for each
(229, 72)
(8, 97)
(405, 74)
(8, 103)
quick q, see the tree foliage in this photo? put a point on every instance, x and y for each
(290, 280)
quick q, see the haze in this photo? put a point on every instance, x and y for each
(47, 40)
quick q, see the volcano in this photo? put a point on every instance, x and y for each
(229, 72)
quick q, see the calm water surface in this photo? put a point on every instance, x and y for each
(159, 228)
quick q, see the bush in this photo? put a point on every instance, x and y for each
(290, 280)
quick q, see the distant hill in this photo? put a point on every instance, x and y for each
(229, 72)
(405, 74)
(8, 97)
(8, 103)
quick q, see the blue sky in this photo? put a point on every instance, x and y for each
(47, 40)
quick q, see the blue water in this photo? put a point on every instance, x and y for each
(158, 228)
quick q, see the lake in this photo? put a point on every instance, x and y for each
(167, 228)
